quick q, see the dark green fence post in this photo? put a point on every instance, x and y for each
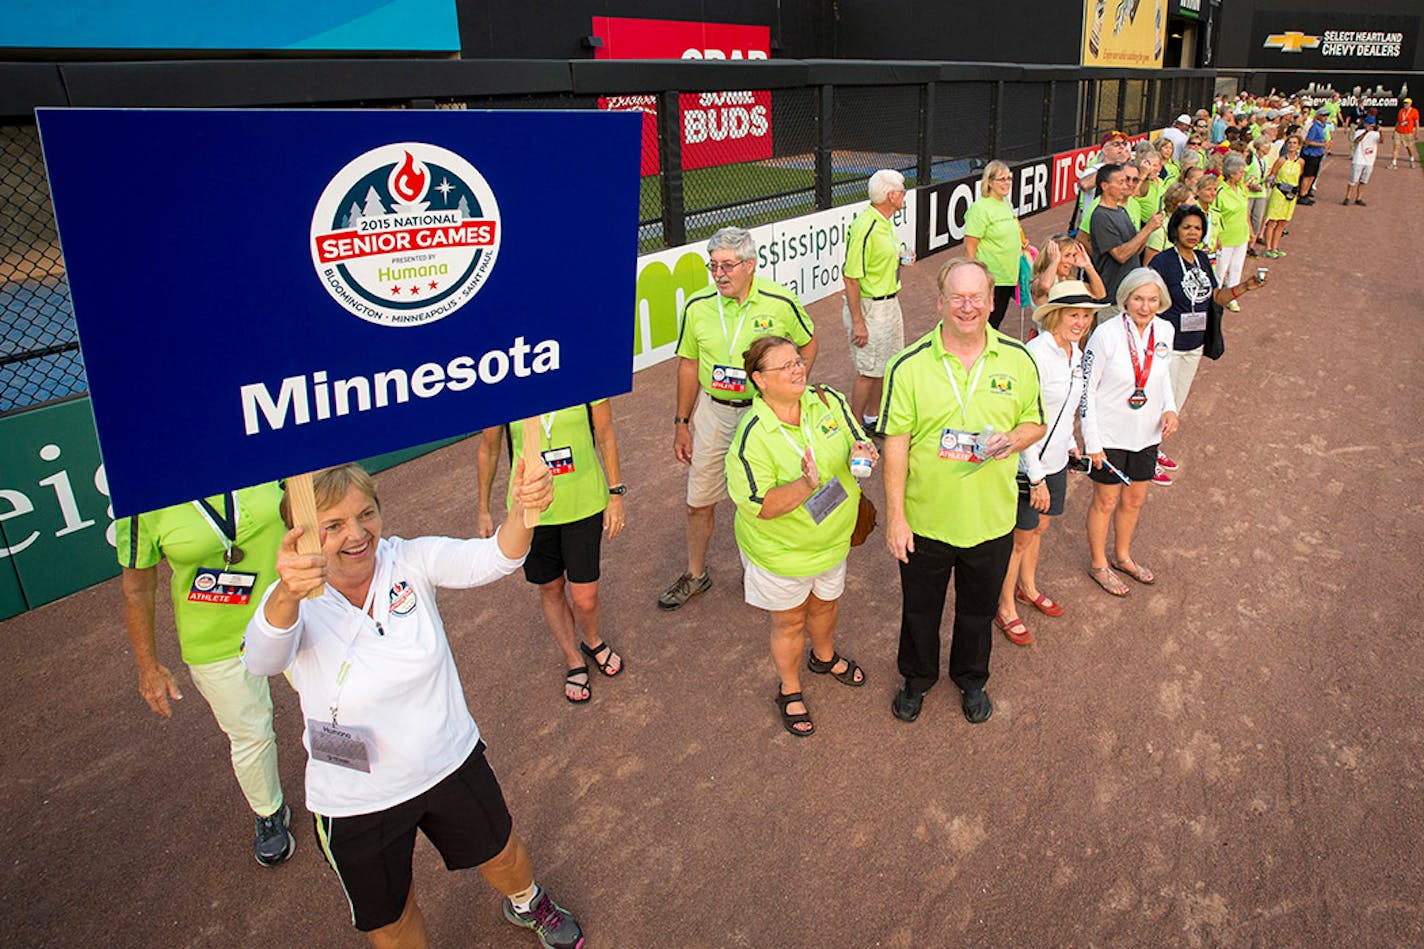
(670, 144)
(825, 96)
(924, 172)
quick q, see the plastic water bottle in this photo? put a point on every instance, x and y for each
(982, 441)
(860, 460)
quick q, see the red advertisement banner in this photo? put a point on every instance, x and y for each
(1068, 166)
(718, 128)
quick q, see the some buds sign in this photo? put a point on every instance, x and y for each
(718, 128)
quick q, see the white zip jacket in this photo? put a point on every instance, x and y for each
(1060, 382)
(1107, 420)
(402, 683)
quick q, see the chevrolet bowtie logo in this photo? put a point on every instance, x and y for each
(1291, 41)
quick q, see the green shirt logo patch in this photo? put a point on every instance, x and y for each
(1003, 385)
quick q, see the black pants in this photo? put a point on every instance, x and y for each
(978, 577)
(1002, 296)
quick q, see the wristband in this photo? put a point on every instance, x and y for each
(681, 420)
(618, 489)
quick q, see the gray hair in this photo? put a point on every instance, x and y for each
(1232, 164)
(1191, 158)
(883, 182)
(738, 239)
(1261, 142)
(1137, 279)
(1144, 147)
(990, 170)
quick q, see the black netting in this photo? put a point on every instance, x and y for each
(1105, 114)
(962, 113)
(1064, 126)
(1134, 116)
(1021, 122)
(39, 348)
(749, 157)
(873, 127)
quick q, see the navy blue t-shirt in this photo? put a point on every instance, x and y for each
(1190, 287)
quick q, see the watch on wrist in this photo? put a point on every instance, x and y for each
(618, 489)
(681, 420)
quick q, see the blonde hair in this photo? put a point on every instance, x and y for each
(990, 170)
(1040, 263)
(330, 486)
(1175, 196)
(954, 263)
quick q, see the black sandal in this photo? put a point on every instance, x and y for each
(604, 663)
(847, 677)
(585, 685)
(789, 721)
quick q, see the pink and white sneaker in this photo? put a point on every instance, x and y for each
(1161, 477)
(1165, 463)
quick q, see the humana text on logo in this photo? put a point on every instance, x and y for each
(405, 234)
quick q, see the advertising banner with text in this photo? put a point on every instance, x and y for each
(717, 127)
(942, 207)
(1331, 41)
(263, 293)
(1124, 33)
(1068, 168)
(803, 254)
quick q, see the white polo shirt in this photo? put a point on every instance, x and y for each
(401, 683)
(1107, 419)
(1060, 380)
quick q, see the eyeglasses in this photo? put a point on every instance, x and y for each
(966, 299)
(1002, 178)
(797, 363)
(716, 266)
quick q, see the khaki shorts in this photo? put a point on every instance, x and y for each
(1405, 137)
(770, 591)
(886, 327)
(712, 428)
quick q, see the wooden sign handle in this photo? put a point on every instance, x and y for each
(303, 502)
(531, 458)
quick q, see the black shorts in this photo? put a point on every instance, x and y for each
(1311, 167)
(1057, 493)
(560, 549)
(1137, 465)
(464, 816)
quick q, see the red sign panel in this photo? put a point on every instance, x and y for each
(718, 128)
(1068, 168)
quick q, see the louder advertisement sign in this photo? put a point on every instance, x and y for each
(941, 208)
(1332, 41)
(1124, 33)
(718, 128)
(262, 293)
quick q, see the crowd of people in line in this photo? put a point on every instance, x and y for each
(975, 433)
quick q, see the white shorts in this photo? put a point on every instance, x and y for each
(712, 427)
(1360, 173)
(885, 326)
(771, 591)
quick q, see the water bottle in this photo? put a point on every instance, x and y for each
(860, 460)
(981, 443)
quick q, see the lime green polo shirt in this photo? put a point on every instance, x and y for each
(873, 254)
(961, 503)
(1084, 225)
(1140, 208)
(1000, 245)
(207, 632)
(716, 330)
(1230, 208)
(567, 445)
(765, 454)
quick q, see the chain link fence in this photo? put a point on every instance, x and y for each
(710, 158)
(39, 348)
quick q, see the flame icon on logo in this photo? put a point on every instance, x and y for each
(409, 181)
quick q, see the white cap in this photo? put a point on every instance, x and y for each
(1184, 119)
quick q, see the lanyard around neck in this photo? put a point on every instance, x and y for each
(722, 318)
(805, 433)
(973, 385)
(1140, 372)
(224, 523)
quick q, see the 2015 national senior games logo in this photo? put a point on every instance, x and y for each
(405, 234)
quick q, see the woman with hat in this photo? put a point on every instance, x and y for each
(1066, 318)
(1127, 409)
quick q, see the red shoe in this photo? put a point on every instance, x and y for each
(1014, 629)
(1162, 478)
(1164, 462)
(1044, 604)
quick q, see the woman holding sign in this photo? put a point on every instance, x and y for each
(580, 450)
(792, 472)
(390, 742)
(1127, 409)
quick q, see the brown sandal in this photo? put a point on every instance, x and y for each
(1108, 580)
